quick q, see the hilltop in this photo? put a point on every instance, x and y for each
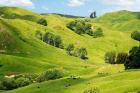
(22, 52)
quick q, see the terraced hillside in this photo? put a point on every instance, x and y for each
(22, 52)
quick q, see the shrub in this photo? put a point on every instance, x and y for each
(98, 33)
(110, 57)
(121, 58)
(50, 74)
(136, 35)
(133, 59)
(70, 49)
(92, 90)
(82, 53)
(9, 84)
(20, 82)
(42, 22)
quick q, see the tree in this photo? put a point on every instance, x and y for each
(93, 14)
(42, 22)
(110, 57)
(82, 53)
(136, 35)
(121, 58)
(133, 59)
(98, 33)
(70, 49)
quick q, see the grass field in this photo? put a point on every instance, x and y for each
(22, 52)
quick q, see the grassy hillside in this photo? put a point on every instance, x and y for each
(125, 82)
(121, 20)
(22, 52)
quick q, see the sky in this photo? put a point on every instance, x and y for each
(74, 7)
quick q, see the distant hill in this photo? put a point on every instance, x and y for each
(64, 15)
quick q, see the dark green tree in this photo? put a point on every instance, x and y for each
(42, 21)
(93, 14)
(134, 58)
(136, 35)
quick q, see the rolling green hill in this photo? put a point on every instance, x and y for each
(121, 20)
(22, 52)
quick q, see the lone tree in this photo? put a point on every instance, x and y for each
(42, 21)
(93, 15)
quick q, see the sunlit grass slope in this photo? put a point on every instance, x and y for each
(121, 20)
(22, 52)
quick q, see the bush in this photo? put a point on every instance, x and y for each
(20, 82)
(50, 74)
(98, 33)
(70, 49)
(110, 57)
(42, 22)
(53, 40)
(12, 83)
(133, 59)
(121, 58)
(82, 53)
(136, 35)
(9, 84)
(92, 90)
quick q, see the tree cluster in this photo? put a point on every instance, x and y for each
(77, 52)
(130, 61)
(80, 27)
(113, 58)
(135, 35)
(53, 40)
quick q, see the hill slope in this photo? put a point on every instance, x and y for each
(22, 52)
(121, 20)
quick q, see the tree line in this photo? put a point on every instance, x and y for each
(130, 61)
(56, 41)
